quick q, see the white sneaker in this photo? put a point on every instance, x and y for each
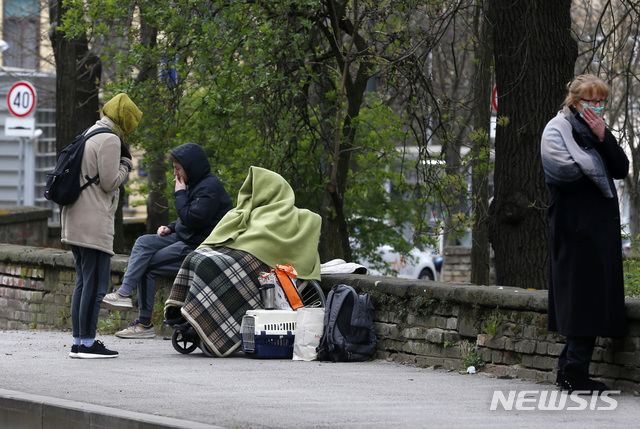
(137, 330)
(115, 301)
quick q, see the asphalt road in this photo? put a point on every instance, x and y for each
(151, 377)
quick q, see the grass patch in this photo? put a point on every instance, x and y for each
(111, 325)
(492, 323)
(469, 355)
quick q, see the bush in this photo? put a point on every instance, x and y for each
(631, 278)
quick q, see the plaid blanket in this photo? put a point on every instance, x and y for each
(214, 288)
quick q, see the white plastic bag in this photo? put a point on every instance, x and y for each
(309, 328)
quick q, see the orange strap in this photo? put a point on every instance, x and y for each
(285, 275)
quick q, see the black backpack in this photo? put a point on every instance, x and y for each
(63, 183)
(349, 333)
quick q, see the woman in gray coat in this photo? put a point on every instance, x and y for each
(581, 158)
(88, 223)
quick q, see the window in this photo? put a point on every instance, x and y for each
(21, 30)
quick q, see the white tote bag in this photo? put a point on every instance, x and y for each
(309, 328)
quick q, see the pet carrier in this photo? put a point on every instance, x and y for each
(268, 333)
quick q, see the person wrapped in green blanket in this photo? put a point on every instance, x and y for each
(218, 282)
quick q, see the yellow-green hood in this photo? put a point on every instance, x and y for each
(267, 224)
(123, 112)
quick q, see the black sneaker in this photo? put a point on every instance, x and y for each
(74, 351)
(96, 351)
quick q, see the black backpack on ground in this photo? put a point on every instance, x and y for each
(349, 333)
(63, 183)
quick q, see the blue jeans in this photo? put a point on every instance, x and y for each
(152, 256)
(93, 274)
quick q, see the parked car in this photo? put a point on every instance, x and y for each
(420, 264)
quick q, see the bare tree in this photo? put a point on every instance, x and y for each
(607, 35)
(480, 254)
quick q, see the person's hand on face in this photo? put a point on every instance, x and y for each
(180, 176)
(595, 122)
(593, 119)
(180, 184)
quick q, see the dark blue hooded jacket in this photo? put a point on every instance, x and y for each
(205, 201)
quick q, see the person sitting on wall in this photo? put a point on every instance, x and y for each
(201, 201)
(219, 281)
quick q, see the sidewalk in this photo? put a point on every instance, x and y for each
(152, 385)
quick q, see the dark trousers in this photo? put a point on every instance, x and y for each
(93, 274)
(576, 354)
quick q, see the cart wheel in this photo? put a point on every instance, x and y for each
(206, 350)
(183, 343)
(311, 293)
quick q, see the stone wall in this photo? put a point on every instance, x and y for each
(504, 329)
(36, 286)
(451, 325)
(25, 225)
(28, 225)
(456, 266)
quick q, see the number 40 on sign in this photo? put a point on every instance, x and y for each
(21, 99)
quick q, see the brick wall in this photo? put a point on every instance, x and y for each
(450, 324)
(456, 266)
(36, 286)
(441, 324)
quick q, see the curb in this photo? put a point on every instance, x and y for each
(24, 410)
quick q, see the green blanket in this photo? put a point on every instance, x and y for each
(267, 224)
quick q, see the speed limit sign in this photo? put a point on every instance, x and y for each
(21, 99)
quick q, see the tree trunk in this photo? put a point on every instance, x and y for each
(480, 254)
(330, 238)
(634, 205)
(88, 77)
(534, 59)
(78, 74)
(65, 57)
(78, 78)
(336, 244)
(631, 186)
(457, 197)
(157, 204)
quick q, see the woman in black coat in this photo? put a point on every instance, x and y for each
(581, 158)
